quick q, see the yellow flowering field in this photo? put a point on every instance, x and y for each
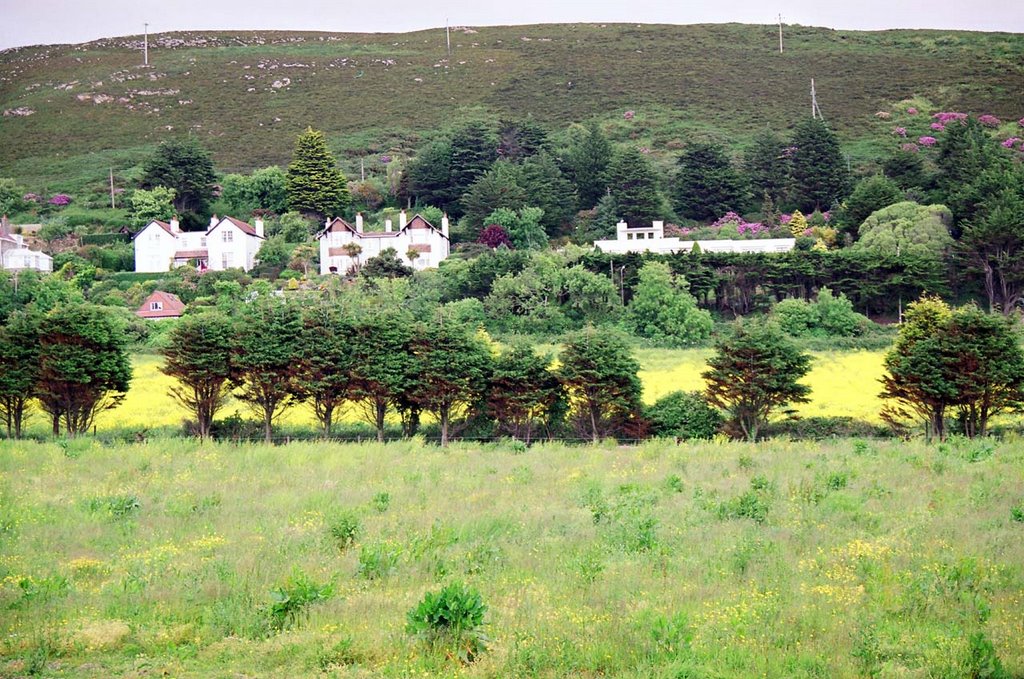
(777, 559)
(842, 383)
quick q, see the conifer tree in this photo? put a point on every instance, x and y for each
(634, 186)
(706, 184)
(797, 223)
(819, 173)
(587, 164)
(315, 184)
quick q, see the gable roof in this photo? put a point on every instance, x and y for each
(171, 306)
(163, 225)
(417, 222)
(336, 224)
(245, 227)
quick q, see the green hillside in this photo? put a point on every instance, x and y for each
(246, 95)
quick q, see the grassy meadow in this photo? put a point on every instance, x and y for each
(843, 383)
(780, 559)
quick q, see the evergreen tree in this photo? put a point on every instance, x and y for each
(664, 310)
(19, 368)
(430, 177)
(992, 245)
(906, 169)
(706, 184)
(587, 161)
(634, 186)
(186, 167)
(451, 366)
(755, 371)
(522, 228)
(385, 265)
(474, 150)
(869, 195)
(83, 365)
(497, 188)
(265, 360)
(819, 172)
(521, 139)
(600, 375)
(315, 184)
(547, 188)
(523, 392)
(325, 365)
(198, 356)
(767, 166)
(382, 366)
(797, 223)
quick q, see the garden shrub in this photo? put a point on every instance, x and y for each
(451, 621)
(828, 316)
(685, 415)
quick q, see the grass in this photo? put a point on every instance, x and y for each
(247, 95)
(781, 559)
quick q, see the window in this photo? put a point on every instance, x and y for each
(156, 306)
(229, 235)
(225, 260)
(202, 242)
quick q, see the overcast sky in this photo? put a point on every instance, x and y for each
(33, 22)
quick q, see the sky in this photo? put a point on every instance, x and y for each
(34, 22)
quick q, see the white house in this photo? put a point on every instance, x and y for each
(652, 239)
(15, 255)
(228, 243)
(344, 246)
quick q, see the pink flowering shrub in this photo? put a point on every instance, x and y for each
(1021, 122)
(628, 115)
(926, 141)
(60, 199)
(912, 111)
(899, 131)
(938, 127)
(827, 216)
(910, 147)
(1009, 143)
(785, 218)
(385, 159)
(950, 117)
(988, 120)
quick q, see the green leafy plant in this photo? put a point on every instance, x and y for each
(1017, 512)
(381, 501)
(344, 528)
(290, 601)
(451, 621)
(378, 560)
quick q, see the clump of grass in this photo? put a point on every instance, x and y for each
(378, 560)
(290, 601)
(753, 504)
(115, 506)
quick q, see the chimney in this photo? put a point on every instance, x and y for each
(359, 222)
(621, 228)
(213, 221)
(259, 226)
(175, 225)
(659, 229)
(401, 220)
(387, 225)
(444, 225)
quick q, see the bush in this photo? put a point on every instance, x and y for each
(344, 528)
(753, 504)
(684, 415)
(378, 560)
(828, 316)
(452, 621)
(290, 601)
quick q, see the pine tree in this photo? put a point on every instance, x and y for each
(315, 184)
(186, 167)
(706, 184)
(634, 186)
(474, 150)
(767, 165)
(797, 223)
(819, 173)
(587, 164)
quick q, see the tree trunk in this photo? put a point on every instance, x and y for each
(445, 416)
(268, 427)
(382, 408)
(328, 420)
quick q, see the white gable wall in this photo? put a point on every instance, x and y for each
(154, 249)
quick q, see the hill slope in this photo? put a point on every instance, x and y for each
(246, 95)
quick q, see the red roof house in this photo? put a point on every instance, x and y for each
(161, 305)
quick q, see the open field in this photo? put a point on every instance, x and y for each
(843, 383)
(848, 559)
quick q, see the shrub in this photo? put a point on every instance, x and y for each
(378, 560)
(451, 621)
(289, 601)
(1017, 512)
(344, 528)
(752, 504)
(684, 415)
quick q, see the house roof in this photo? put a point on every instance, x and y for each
(336, 224)
(163, 225)
(244, 226)
(172, 307)
(417, 222)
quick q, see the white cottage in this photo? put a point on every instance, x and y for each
(228, 243)
(15, 254)
(418, 243)
(652, 239)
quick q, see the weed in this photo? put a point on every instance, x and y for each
(290, 600)
(674, 483)
(670, 634)
(344, 528)
(861, 447)
(381, 501)
(746, 462)
(589, 565)
(115, 506)
(837, 480)
(378, 560)
(969, 450)
(753, 504)
(451, 620)
(340, 654)
(982, 661)
(1017, 512)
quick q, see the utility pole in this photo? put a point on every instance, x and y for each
(448, 37)
(815, 111)
(112, 206)
(780, 33)
(145, 46)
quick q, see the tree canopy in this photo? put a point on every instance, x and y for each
(315, 184)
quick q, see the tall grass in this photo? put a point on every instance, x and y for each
(779, 559)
